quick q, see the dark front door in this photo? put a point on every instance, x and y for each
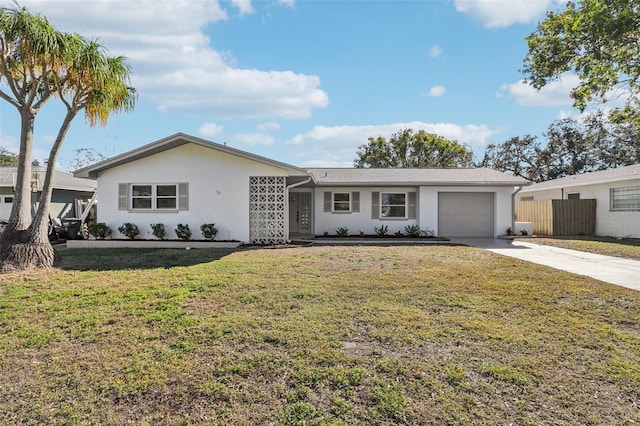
(300, 212)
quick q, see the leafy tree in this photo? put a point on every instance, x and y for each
(598, 40)
(616, 145)
(8, 158)
(38, 62)
(572, 149)
(573, 146)
(407, 149)
(519, 156)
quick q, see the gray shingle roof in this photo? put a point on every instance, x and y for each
(591, 178)
(61, 180)
(412, 177)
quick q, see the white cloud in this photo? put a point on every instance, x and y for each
(210, 129)
(253, 139)
(243, 6)
(435, 51)
(503, 13)
(268, 126)
(437, 91)
(175, 65)
(555, 93)
(337, 146)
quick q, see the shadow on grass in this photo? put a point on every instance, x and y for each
(123, 259)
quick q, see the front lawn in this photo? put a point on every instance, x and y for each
(315, 336)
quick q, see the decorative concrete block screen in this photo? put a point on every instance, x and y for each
(267, 209)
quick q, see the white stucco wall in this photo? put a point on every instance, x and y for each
(610, 223)
(218, 191)
(356, 221)
(426, 210)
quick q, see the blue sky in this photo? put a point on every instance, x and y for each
(307, 82)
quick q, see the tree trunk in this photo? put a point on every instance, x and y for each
(24, 244)
(22, 250)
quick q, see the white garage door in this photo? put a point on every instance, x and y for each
(465, 214)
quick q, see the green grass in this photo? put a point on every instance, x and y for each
(315, 336)
(628, 248)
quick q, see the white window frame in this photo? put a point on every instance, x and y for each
(405, 205)
(154, 197)
(633, 195)
(334, 202)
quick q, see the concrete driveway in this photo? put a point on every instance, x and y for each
(614, 270)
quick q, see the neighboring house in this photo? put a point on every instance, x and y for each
(68, 192)
(188, 180)
(616, 191)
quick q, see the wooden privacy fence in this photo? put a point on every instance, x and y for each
(559, 217)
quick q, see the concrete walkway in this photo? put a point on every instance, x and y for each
(614, 270)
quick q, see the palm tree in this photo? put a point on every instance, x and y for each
(36, 63)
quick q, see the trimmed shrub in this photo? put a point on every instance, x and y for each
(183, 232)
(130, 230)
(209, 230)
(99, 230)
(159, 231)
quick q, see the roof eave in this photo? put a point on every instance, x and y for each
(413, 183)
(583, 183)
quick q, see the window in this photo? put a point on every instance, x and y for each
(626, 198)
(169, 197)
(166, 197)
(341, 201)
(8, 200)
(141, 196)
(393, 205)
(573, 196)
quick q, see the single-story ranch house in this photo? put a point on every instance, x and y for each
(67, 199)
(188, 180)
(616, 191)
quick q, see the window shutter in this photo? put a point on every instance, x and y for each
(355, 201)
(123, 196)
(183, 196)
(375, 205)
(327, 201)
(411, 213)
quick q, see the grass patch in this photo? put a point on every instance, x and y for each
(316, 336)
(628, 248)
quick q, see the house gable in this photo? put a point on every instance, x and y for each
(175, 141)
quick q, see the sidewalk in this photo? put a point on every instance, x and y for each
(614, 270)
